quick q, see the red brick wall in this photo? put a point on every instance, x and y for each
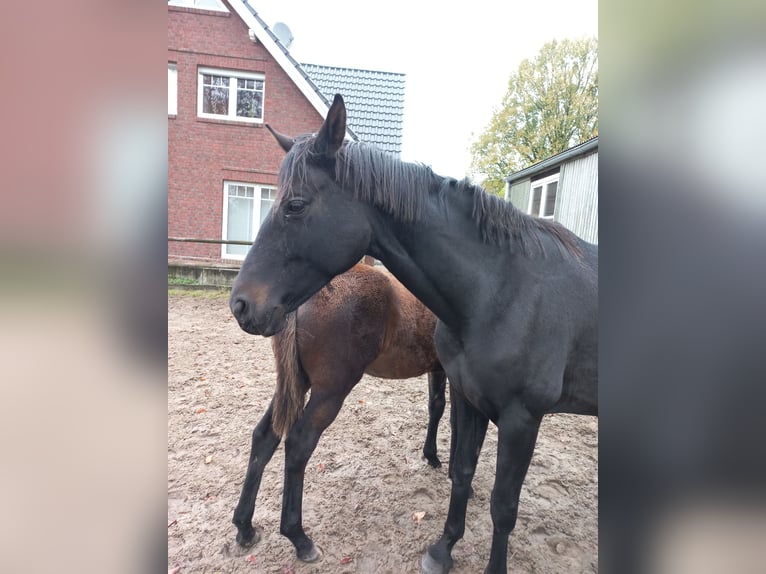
(203, 153)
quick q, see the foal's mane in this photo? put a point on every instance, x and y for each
(401, 189)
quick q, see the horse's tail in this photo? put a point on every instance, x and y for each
(292, 383)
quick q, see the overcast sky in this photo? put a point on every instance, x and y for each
(457, 58)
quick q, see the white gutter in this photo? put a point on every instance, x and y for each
(288, 66)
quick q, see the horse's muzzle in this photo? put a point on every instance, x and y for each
(255, 321)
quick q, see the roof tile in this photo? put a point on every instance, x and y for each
(374, 101)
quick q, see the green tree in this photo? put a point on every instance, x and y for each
(551, 104)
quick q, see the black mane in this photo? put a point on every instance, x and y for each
(401, 189)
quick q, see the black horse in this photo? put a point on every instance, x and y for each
(516, 297)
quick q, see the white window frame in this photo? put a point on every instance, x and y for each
(233, 76)
(219, 7)
(256, 221)
(543, 184)
(172, 89)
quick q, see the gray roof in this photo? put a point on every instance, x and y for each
(588, 146)
(374, 101)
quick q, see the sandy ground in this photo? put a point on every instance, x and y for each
(366, 482)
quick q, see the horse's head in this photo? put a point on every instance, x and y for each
(313, 232)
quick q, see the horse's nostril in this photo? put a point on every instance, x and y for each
(239, 307)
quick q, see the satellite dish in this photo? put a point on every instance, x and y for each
(282, 32)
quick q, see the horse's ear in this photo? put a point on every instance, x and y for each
(286, 143)
(333, 130)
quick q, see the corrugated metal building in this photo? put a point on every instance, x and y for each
(563, 187)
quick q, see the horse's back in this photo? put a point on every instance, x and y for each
(368, 310)
(573, 306)
(409, 349)
(537, 341)
(340, 329)
(580, 389)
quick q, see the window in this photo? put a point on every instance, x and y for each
(268, 195)
(172, 89)
(202, 4)
(542, 196)
(245, 207)
(230, 95)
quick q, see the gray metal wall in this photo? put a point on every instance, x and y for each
(518, 195)
(577, 204)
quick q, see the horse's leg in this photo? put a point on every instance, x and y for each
(471, 427)
(302, 439)
(452, 430)
(517, 435)
(437, 381)
(264, 444)
(454, 439)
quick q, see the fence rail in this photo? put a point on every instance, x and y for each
(216, 241)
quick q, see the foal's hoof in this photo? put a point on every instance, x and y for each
(430, 566)
(434, 461)
(246, 538)
(313, 554)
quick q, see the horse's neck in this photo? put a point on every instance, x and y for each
(437, 258)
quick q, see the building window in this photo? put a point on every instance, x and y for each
(172, 89)
(230, 95)
(201, 4)
(245, 207)
(542, 196)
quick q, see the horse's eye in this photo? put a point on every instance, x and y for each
(295, 207)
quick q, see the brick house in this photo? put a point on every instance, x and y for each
(228, 75)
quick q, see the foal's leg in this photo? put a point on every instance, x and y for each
(264, 444)
(471, 427)
(517, 434)
(437, 381)
(302, 439)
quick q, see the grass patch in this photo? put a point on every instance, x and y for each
(172, 280)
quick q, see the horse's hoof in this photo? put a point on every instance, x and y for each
(313, 554)
(434, 462)
(246, 538)
(430, 566)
